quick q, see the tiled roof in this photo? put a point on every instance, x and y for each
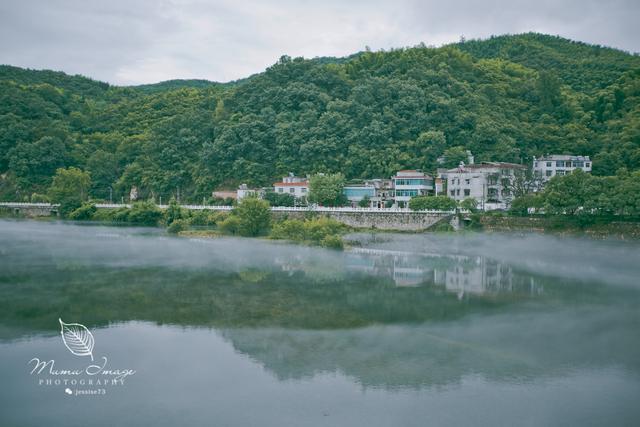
(489, 165)
(562, 157)
(410, 176)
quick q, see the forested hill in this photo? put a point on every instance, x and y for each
(507, 98)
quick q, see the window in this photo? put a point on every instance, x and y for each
(588, 164)
(467, 181)
(292, 190)
(535, 164)
(560, 172)
(559, 163)
(407, 181)
(280, 189)
(453, 192)
(567, 164)
(467, 192)
(548, 173)
(458, 192)
(548, 164)
(578, 164)
(303, 190)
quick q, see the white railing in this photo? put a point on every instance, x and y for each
(28, 205)
(112, 205)
(229, 208)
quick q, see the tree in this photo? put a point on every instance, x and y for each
(174, 212)
(548, 86)
(35, 163)
(279, 199)
(254, 216)
(326, 189)
(521, 205)
(567, 194)
(69, 188)
(365, 202)
(145, 213)
(525, 181)
(104, 173)
(470, 204)
(454, 155)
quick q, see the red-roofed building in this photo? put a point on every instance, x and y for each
(294, 185)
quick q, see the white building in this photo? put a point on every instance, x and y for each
(489, 183)
(559, 164)
(244, 191)
(411, 183)
(294, 185)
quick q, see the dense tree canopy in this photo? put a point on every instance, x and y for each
(507, 98)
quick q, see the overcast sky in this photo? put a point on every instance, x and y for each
(144, 41)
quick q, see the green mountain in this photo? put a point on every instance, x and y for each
(507, 98)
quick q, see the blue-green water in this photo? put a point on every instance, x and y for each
(400, 330)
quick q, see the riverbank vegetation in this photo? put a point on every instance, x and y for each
(321, 231)
(581, 195)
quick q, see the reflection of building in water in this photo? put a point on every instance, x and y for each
(456, 273)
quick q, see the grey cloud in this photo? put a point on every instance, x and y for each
(138, 41)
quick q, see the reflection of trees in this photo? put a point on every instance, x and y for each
(33, 300)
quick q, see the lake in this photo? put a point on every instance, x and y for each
(399, 330)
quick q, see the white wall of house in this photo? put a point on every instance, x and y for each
(490, 184)
(244, 191)
(296, 189)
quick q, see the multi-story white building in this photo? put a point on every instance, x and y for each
(559, 164)
(489, 183)
(294, 185)
(410, 183)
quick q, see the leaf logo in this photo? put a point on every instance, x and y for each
(77, 338)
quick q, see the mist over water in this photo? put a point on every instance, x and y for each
(610, 261)
(398, 330)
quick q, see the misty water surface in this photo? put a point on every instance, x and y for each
(399, 330)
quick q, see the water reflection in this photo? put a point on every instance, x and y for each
(403, 326)
(104, 275)
(459, 274)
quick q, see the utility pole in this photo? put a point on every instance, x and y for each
(110, 195)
